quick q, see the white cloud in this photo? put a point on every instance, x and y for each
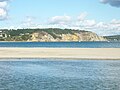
(83, 23)
(115, 21)
(101, 28)
(89, 23)
(3, 9)
(3, 14)
(3, 4)
(28, 22)
(104, 1)
(82, 16)
(62, 20)
(108, 28)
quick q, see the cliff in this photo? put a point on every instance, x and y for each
(51, 35)
(74, 36)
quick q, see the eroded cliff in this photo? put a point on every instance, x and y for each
(75, 36)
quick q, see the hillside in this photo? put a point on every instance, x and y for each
(113, 38)
(51, 34)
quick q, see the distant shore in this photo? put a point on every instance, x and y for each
(61, 53)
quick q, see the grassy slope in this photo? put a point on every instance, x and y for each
(113, 38)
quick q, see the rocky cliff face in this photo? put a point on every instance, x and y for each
(42, 36)
(90, 36)
(75, 36)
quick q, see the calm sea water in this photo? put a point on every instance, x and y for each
(45, 74)
(62, 44)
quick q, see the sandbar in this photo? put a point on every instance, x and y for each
(61, 53)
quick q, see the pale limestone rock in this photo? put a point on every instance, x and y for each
(81, 36)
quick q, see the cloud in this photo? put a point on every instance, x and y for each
(3, 4)
(86, 23)
(28, 22)
(115, 3)
(82, 16)
(101, 28)
(60, 20)
(3, 9)
(3, 14)
(4, 0)
(107, 28)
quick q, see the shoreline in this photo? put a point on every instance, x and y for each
(61, 53)
(57, 59)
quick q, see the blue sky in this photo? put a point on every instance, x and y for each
(100, 16)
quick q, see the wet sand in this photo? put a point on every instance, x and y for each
(59, 53)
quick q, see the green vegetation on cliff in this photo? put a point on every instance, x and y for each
(49, 30)
(113, 38)
(50, 34)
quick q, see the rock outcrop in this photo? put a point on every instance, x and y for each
(42, 36)
(75, 36)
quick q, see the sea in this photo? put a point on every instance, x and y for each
(62, 44)
(60, 74)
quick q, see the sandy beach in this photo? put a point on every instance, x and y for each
(66, 53)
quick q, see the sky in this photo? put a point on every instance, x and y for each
(99, 16)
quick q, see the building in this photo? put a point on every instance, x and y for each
(3, 35)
